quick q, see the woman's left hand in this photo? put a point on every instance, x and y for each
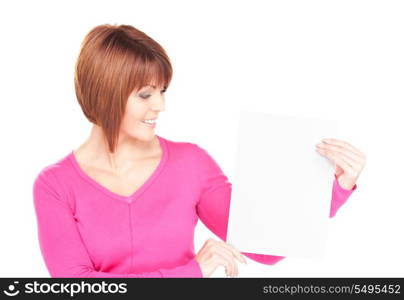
(349, 161)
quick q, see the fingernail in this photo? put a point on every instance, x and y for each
(325, 140)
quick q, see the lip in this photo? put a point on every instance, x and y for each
(148, 125)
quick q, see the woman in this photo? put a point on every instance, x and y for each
(126, 202)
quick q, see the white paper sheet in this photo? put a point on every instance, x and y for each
(281, 195)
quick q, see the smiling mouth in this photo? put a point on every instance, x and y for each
(152, 125)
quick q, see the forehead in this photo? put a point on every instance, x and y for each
(150, 86)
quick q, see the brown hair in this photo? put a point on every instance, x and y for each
(113, 61)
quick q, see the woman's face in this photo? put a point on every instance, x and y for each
(142, 105)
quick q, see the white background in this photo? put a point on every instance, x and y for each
(332, 59)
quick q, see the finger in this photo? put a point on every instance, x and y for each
(352, 163)
(224, 261)
(348, 152)
(221, 261)
(341, 161)
(231, 270)
(235, 252)
(230, 254)
(233, 262)
(229, 262)
(343, 143)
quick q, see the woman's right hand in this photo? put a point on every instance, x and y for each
(215, 253)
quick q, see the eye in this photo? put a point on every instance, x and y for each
(144, 96)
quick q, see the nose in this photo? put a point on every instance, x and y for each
(158, 103)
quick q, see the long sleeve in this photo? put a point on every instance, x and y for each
(214, 203)
(339, 196)
(61, 245)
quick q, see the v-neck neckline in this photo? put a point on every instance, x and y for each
(140, 190)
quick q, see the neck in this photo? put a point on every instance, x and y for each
(128, 151)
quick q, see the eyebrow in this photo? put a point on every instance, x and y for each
(153, 86)
(148, 85)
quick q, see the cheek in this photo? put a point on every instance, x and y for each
(133, 116)
(134, 109)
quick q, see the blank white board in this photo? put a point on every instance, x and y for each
(282, 189)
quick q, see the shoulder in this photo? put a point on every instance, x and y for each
(51, 185)
(194, 155)
(51, 175)
(186, 149)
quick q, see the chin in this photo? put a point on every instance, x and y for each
(144, 135)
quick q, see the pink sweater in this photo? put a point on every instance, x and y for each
(86, 230)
